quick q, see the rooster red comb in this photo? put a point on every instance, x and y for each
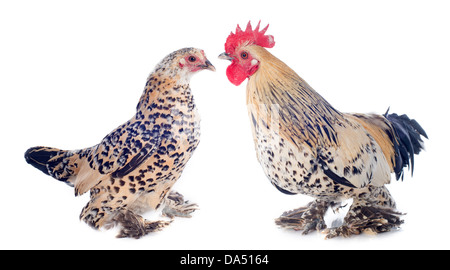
(249, 36)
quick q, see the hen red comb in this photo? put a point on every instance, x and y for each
(249, 36)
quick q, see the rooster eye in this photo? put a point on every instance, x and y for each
(192, 58)
(244, 55)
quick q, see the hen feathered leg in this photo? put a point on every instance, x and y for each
(100, 208)
(135, 226)
(371, 212)
(176, 206)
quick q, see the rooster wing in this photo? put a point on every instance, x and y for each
(359, 157)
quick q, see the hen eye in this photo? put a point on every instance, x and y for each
(244, 55)
(192, 58)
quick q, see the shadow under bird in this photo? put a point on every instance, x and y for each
(306, 146)
(133, 169)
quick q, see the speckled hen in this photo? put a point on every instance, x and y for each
(133, 169)
(306, 146)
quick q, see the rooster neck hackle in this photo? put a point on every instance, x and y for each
(276, 92)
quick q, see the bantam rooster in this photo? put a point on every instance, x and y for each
(306, 146)
(133, 169)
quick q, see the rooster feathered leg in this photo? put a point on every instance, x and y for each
(372, 211)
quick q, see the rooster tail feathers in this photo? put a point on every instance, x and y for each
(408, 141)
(59, 164)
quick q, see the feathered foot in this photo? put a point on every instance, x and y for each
(307, 218)
(135, 226)
(367, 219)
(176, 206)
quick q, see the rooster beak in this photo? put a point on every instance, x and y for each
(208, 65)
(225, 56)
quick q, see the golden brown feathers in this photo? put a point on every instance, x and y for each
(381, 130)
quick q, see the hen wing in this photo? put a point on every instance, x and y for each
(118, 154)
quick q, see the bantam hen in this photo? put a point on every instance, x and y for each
(133, 169)
(306, 146)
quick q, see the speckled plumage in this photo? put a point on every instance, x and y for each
(133, 169)
(306, 146)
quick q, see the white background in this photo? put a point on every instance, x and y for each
(71, 71)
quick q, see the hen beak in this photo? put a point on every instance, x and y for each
(225, 56)
(208, 65)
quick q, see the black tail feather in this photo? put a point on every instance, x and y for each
(51, 161)
(408, 141)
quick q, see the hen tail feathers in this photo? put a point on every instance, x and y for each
(59, 164)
